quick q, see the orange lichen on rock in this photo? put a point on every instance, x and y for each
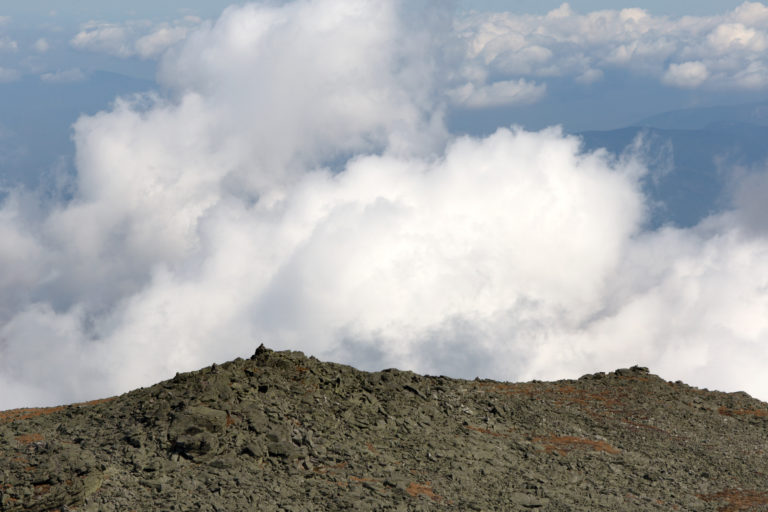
(564, 444)
(561, 393)
(507, 388)
(424, 489)
(29, 438)
(23, 414)
(738, 500)
(326, 469)
(363, 479)
(42, 488)
(759, 413)
(571, 394)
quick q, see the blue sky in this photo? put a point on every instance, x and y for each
(528, 190)
(661, 7)
(43, 12)
(36, 11)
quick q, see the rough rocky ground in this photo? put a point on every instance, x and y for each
(283, 432)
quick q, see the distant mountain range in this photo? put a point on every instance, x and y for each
(705, 117)
(693, 155)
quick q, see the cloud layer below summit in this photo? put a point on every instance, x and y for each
(297, 186)
(724, 51)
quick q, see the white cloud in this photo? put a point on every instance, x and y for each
(41, 45)
(750, 191)
(207, 222)
(566, 43)
(8, 45)
(64, 76)
(735, 36)
(144, 39)
(507, 92)
(109, 38)
(156, 42)
(687, 74)
(590, 76)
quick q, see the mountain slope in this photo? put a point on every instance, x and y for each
(281, 431)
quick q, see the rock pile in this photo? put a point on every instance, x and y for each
(283, 432)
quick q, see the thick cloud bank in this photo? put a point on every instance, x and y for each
(297, 187)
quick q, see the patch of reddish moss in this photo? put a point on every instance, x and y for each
(26, 413)
(612, 399)
(738, 500)
(363, 479)
(414, 489)
(326, 469)
(759, 413)
(29, 438)
(42, 489)
(564, 444)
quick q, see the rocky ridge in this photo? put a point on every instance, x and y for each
(284, 432)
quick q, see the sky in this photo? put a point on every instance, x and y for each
(35, 11)
(657, 7)
(378, 183)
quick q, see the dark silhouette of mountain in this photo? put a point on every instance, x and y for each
(692, 171)
(283, 432)
(703, 117)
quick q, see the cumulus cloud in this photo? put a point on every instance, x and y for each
(41, 45)
(505, 92)
(297, 187)
(688, 52)
(8, 45)
(144, 39)
(728, 37)
(160, 39)
(687, 74)
(590, 76)
(750, 188)
(106, 37)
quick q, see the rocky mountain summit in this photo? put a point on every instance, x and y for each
(284, 432)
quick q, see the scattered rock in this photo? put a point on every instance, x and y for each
(282, 431)
(194, 431)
